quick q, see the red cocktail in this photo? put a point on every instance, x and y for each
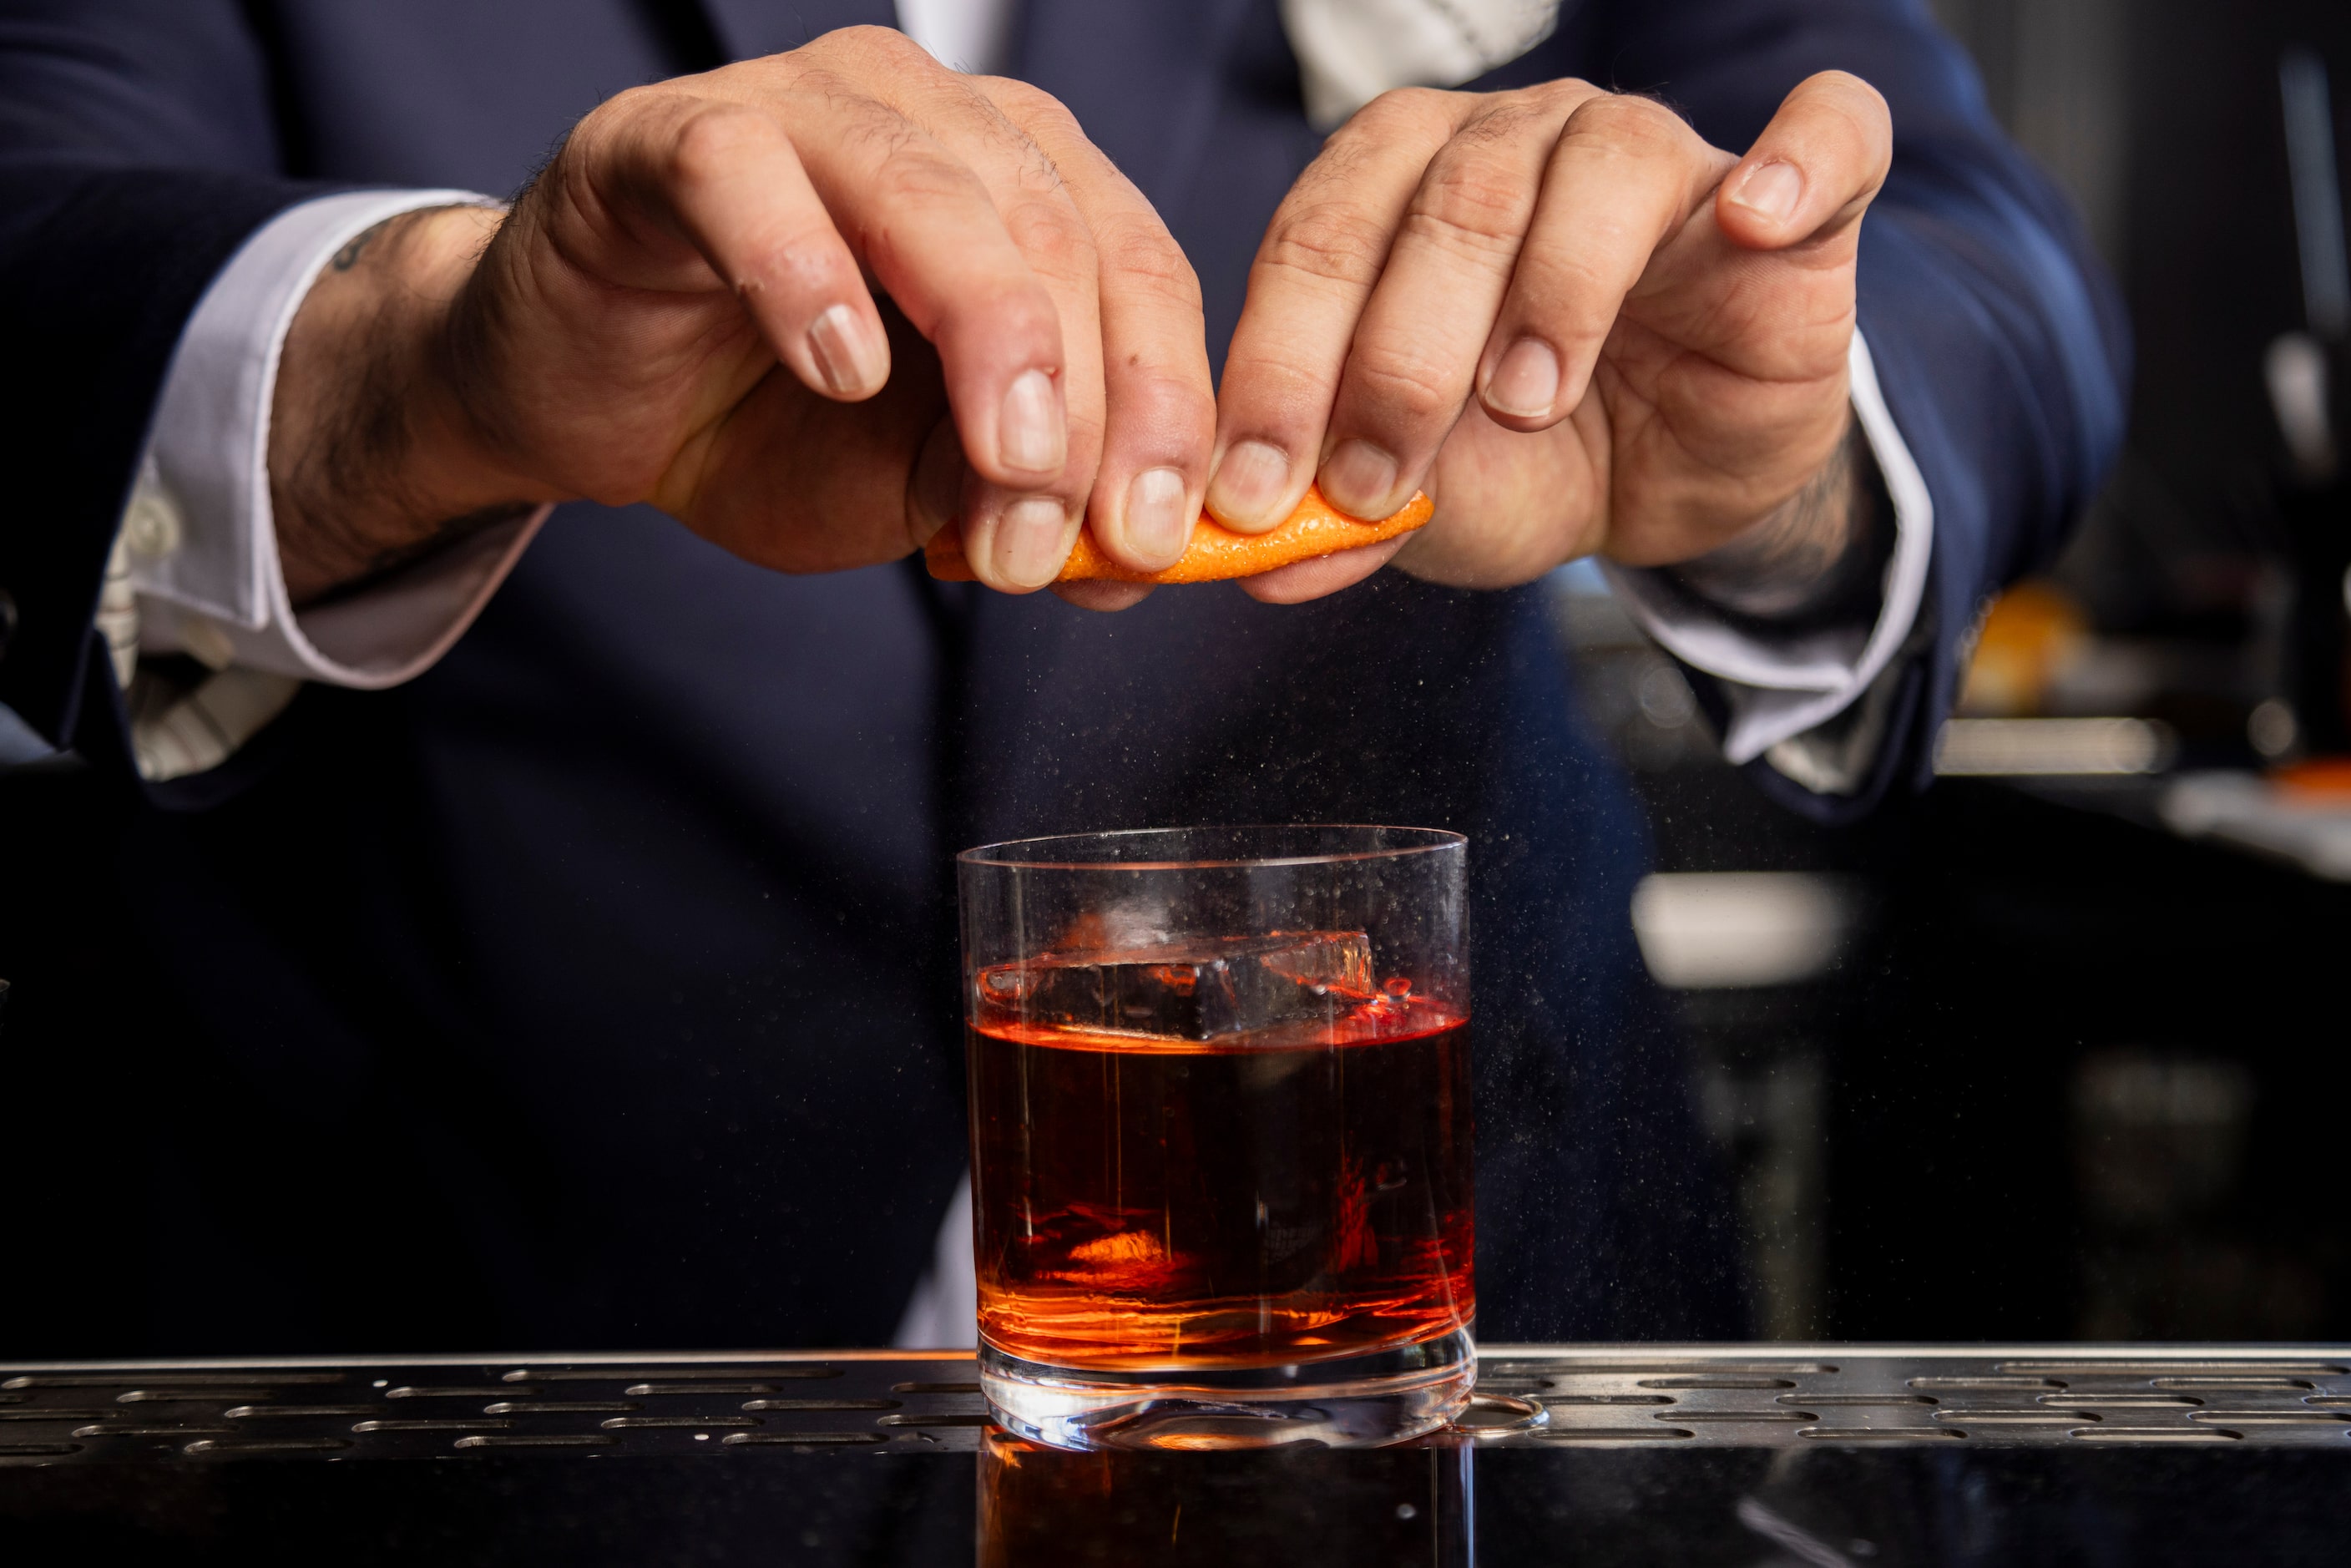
(1221, 1155)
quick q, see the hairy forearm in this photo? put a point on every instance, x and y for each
(371, 459)
(1817, 556)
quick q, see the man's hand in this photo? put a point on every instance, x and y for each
(677, 311)
(1576, 325)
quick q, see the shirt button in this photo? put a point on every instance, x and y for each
(151, 527)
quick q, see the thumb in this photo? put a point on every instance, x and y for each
(1815, 170)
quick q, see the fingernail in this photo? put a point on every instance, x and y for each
(1030, 435)
(1771, 191)
(1525, 381)
(1357, 478)
(1157, 526)
(1028, 542)
(849, 356)
(1251, 485)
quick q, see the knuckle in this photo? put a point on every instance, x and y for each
(1423, 109)
(1050, 237)
(1500, 125)
(1331, 240)
(1032, 107)
(1142, 257)
(866, 42)
(1519, 115)
(914, 174)
(1576, 278)
(710, 139)
(1404, 388)
(1569, 299)
(1274, 391)
(1639, 124)
(1471, 203)
(631, 104)
(1559, 89)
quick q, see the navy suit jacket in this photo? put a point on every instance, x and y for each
(598, 987)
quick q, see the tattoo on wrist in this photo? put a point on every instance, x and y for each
(349, 256)
(349, 507)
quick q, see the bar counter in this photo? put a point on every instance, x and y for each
(1595, 1455)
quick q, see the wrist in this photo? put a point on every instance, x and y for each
(372, 456)
(1817, 557)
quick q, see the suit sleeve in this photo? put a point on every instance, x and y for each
(2000, 344)
(137, 153)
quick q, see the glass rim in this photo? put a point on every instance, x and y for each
(1039, 856)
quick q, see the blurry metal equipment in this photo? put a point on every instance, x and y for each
(2058, 748)
(2312, 830)
(877, 1404)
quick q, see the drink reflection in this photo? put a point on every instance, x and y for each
(1296, 1507)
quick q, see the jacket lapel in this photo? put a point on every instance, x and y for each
(1144, 78)
(1148, 78)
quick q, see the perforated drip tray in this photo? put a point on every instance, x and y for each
(1745, 1396)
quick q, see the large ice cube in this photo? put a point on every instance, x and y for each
(1202, 989)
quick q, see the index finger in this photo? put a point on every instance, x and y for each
(1160, 413)
(1017, 535)
(1321, 259)
(926, 224)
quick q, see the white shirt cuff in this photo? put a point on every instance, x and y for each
(200, 533)
(1780, 687)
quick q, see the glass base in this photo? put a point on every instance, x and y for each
(1362, 1402)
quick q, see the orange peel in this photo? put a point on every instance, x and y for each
(1216, 553)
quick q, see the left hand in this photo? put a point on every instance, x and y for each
(1576, 325)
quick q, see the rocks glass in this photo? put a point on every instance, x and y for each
(1221, 1143)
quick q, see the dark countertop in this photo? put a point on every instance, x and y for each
(1742, 1455)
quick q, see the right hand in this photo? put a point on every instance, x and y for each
(677, 311)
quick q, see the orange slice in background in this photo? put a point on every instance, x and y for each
(1215, 553)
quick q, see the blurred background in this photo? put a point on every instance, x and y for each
(2053, 1050)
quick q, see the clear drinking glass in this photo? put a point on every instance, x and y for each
(1221, 1159)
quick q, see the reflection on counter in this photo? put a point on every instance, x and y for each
(1137, 1508)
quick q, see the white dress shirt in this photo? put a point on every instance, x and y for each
(196, 568)
(199, 542)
